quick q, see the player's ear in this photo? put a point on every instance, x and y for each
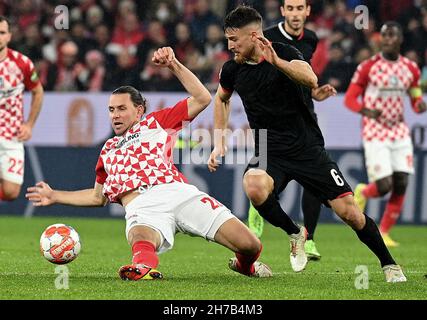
(254, 36)
(282, 10)
(141, 110)
(308, 10)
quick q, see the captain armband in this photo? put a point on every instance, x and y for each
(415, 92)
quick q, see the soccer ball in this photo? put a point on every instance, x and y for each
(60, 244)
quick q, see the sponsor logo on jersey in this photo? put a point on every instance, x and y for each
(128, 139)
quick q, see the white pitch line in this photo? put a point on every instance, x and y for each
(38, 175)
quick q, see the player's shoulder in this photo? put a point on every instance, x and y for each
(109, 144)
(410, 63)
(150, 120)
(230, 66)
(272, 30)
(285, 50)
(310, 35)
(368, 63)
(277, 33)
(18, 56)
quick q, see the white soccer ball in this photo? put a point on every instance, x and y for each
(60, 243)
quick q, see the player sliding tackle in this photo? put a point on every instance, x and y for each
(135, 169)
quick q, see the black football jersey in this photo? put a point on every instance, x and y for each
(306, 42)
(274, 102)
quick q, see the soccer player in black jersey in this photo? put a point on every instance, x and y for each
(268, 78)
(292, 31)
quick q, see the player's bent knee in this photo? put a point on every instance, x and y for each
(384, 186)
(257, 186)
(348, 211)
(11, 194)
(256, 195)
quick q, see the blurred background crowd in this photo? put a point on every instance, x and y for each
(110, 42)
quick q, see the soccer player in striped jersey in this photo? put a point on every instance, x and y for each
(382, 82)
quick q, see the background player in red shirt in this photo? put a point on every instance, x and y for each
(16, 74)
(135, 169)
(383, 82)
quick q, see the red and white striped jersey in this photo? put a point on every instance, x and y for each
(142, 157)
(386, 83)
(17, 73)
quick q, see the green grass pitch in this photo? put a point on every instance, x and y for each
(197, 269)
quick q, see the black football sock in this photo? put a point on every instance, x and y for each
(370, 235)
(311, 211)
(271, 211)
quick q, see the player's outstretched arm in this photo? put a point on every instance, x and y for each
(43, 195)
(221, 115)
(200, 96)
(297, 70)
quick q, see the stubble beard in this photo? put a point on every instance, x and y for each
(239, 59)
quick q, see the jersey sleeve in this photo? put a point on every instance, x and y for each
(415, 87)
(415, 92)
(173, 117)
(361, 75)
(31, 78)
(287, 52)
(227, 76)
(101, 175)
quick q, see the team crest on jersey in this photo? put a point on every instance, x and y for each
(394, 81)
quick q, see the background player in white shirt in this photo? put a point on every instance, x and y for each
(383, 81)
(17, 73)
(135, 169)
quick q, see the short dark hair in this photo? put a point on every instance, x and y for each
(3, 18)
(394, 24)
(240, 17)
(306, 2)
(135, 95)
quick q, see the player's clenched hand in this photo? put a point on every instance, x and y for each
(213, 162)
(25, 132)
(40, 195)
(267, 49)
(371, 113)
(163, 57)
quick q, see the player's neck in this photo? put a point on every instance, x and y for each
(390, 56)
(256, 58)
(3, 54)
(292, 32)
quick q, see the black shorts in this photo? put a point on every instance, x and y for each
(314, 170)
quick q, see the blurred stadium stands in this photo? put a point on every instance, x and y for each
(109, 42)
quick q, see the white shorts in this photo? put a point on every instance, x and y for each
(384, 158)
(12, 161)
(176, 207)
